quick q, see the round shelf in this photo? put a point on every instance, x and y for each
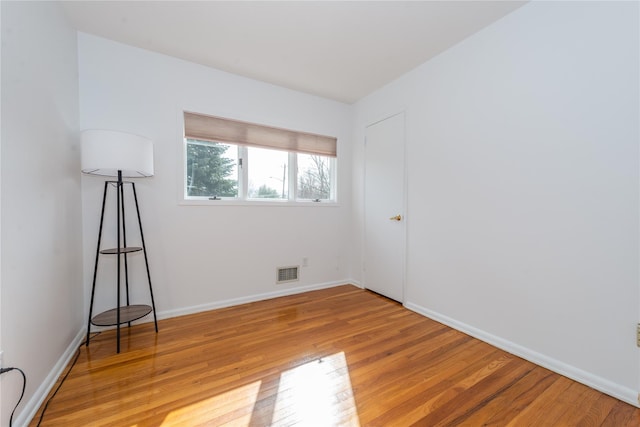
(114, 251)
(128, 313)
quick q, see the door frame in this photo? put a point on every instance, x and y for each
(405, 234)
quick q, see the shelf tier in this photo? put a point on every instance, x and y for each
(128, 313)
(114, 251)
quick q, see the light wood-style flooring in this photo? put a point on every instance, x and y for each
(335, 357)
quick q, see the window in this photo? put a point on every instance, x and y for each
(267, 174)
(230, 160)
(212, 169)
(315, 177)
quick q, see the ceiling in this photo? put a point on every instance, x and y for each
(341, 50)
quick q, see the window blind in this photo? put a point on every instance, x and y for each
(219, 129)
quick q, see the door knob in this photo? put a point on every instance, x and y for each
(396, 218)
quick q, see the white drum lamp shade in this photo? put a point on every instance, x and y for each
(105, 152)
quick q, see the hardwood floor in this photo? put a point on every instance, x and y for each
(340, 356)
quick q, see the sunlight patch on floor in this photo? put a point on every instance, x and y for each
(241, 399)
(317, 393)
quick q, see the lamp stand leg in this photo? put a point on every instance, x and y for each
(124, 245)
(95, 269)
(146, 261)
(119, 248)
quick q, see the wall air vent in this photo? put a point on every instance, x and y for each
(287, 274)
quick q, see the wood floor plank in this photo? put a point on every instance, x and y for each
(598, 411)
(335, 357)
(578, 401)
(622, 415)
(457, 410)
(423, 403)
(507, 404)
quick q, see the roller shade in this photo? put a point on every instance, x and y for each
(219, 129)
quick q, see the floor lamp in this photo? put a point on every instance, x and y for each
(121, 155)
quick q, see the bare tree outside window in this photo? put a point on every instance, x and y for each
(314, 177)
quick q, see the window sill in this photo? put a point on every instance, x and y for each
(207, 202)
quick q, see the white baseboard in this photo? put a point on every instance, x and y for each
(244, 300)
(31, 407)
(601, 384)
(356, 283)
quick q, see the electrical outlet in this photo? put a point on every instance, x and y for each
(305, 262)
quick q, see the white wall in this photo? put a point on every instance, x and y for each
(523, 187)
(42, 295)
(207, 256)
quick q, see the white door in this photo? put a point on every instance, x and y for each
(384, 208)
